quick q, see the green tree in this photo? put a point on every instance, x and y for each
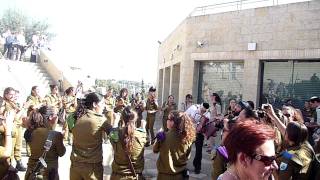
(143, 91)
(16, 20)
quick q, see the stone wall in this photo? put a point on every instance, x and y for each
(290, 31)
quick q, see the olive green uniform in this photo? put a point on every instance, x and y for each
(110, 103)
(3, 163)
(167, 109)
(34, 102)
(173, 157)
(151, 106)
(86, 155)
(219, 165)
(120, 165)
(69, 104)
(38, 139)
(55, 101)
(120, 105)
(16, 131)
(138, 106)
(295, 164)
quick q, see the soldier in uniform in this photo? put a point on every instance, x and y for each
(53, 99)
(110, 103)
(69, 102)
(9, 104)
(188, 102)
(6, 123)
(39, 127)
(167, 107)
(174, 147)
(121, 102)
(86, 156)
(138, 105)
(220, 156)
(128, 142)
(151, 108)
(295, 161)
(34, 100)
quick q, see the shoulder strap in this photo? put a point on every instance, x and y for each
(47, 147)
(128, 157)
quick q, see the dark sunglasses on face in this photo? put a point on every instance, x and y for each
(267, 160)
(287, 115)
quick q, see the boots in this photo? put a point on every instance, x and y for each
(20, 166)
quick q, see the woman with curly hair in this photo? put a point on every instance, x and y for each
(39, 131)
(178, 139)
(128, 144)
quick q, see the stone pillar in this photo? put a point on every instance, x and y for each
(166, 83)
(251, 79)
(160, 85)
(175, 81)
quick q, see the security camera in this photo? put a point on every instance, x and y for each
(200, 44)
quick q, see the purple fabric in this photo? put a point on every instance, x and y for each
(161, 136)
(223, 151)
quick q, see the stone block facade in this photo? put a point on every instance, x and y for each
(283, 32)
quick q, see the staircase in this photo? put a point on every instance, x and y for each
(22, 76)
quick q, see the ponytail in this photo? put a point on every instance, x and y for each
(129, 118)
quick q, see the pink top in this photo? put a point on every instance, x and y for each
(227, 176)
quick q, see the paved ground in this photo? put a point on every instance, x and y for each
(150, 170)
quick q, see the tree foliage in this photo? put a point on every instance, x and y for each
(16, 20)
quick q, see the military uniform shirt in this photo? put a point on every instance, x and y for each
(87, 138)
(173, 155)
(294, 162)
(120, 164)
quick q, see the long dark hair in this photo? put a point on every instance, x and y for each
(6, 91)
(183, 126)
(124, 90)
(32, 90)
(87, 103)
(297, 132)
(40, 118)
(129, 117)
(218, 99)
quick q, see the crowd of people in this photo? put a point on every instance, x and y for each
(15, 45)
(255, 143)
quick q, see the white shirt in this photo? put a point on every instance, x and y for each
(195, 113)
(318, 114)
(21, 39)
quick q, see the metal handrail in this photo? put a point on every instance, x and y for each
(238, 4)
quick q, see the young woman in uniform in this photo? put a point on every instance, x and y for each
(177, 139)
(90, 124)
(39, 127)
(69, 102)
(53, 99)
(294, 162)
(167, 107)
(128, 142)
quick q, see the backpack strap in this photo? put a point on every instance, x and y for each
(129, 158)
(47, 146)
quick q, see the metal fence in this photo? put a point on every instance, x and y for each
(238, 5)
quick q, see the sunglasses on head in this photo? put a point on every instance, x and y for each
(267, 160)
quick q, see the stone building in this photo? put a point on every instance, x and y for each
(266, 54)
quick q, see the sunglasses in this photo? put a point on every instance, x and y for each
(267, 160)
(287, 115)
